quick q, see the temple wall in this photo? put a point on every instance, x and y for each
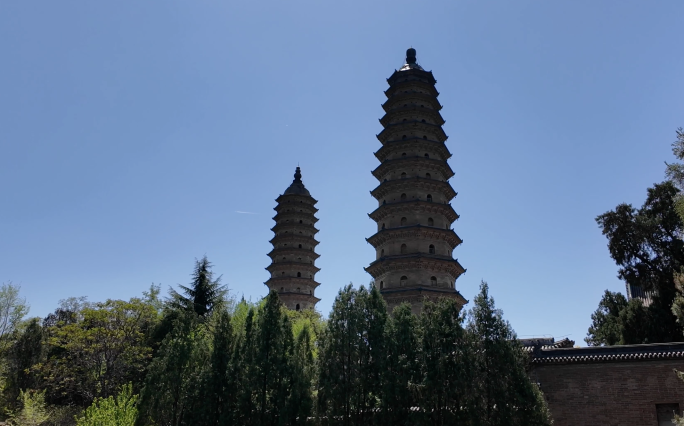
(610, 393)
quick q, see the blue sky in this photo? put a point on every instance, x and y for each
(133, 133)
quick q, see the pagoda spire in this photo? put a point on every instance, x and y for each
(293, 257)
(414, 241)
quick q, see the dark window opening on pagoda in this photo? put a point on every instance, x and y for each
(431, 249)
(382, 284)
(403, 196)
(383, 226)
(299, 290)
(403, 221)
(424, 137)
(429, 198)
(382, 252)
(431, 222)
(402, 280)
(422, 121)
(384, 202)
(403, 120)
(428, 175)
(403, 154)
(300, 246)
(299, 274)
(297, 307)
(433, 281)
(301, 221)
(403, 175)
(403, 249)
(426, 155)
(403, 137)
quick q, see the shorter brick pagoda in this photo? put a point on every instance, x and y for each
(293, 257)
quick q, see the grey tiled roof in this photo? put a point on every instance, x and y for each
(593, 354)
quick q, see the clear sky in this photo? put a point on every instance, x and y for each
(136, 136)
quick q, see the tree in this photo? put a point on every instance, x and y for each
(12, 310)
(33, 411)
(675, 171)
(401, 376)
(26, 352)
(448, 367)
(606, 327)
(504, 393)
(647, 245)
(94, 356)
(170, 393)
(110, 411)
(271, 367)
(351, 357)
(204, 292)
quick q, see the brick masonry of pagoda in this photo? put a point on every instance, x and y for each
(293, 257)
(414, 240)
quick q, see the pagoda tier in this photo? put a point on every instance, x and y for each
(414, 242)
(292, 268)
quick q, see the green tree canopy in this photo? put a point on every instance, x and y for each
(646, 244)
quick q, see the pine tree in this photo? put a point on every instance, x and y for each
(204, 292)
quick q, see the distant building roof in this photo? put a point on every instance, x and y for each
(592, 354)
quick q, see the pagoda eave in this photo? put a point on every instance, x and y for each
(409, 126)
(297, 197)
(292, 266)
(415, 262)
(293, 296)
(412, 143)
(279, 252)
(294, 238)
(399, 207)
(405, 98)
(396, 185)
(402, 163)
(419, 232)
(396, 296)
(279, 281)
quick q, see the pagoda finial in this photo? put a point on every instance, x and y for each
(298, 175)
(411, 56)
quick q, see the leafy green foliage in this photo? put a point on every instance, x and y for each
(647, 246)
(110, 411)
(33, 410)
(106, 347)
(675, 171)
(12, 310)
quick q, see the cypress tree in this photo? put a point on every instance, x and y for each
(447, 362)
(505, 394)
(401, 374)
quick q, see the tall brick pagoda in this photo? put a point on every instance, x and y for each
(414, 240)
(292, 268)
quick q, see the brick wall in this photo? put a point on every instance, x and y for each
(609, 393)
